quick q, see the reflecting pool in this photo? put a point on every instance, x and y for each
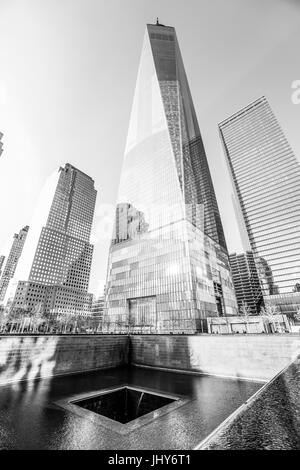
(30, 417)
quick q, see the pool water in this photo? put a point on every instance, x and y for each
(31, 419)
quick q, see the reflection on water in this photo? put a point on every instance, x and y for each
(124, 404)
(29, 418)
(26, 358)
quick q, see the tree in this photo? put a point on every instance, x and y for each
(245, 311)
(16, 316)
(269, 311)
(297, 315)
(37, 314)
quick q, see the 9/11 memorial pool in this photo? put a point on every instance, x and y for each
(178, 412)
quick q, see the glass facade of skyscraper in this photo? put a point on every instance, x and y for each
(246, 282)
(168, 265)
(266, 176)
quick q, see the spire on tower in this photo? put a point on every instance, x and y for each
(158, 23)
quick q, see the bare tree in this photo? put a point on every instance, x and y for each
(269, 311)
(297, 315)
(245, 311)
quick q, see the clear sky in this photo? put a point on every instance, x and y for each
(67, 76)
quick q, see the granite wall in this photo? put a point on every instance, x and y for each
(252, 356)
(257, 357)
(30, 357)
(270, 420)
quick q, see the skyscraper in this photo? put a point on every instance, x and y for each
(98, 307)
(266, 175)
(2, 259)
(168, 264)
(12, 260)
(246, 281)
(59, 275)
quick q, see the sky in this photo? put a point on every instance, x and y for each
(68, 70)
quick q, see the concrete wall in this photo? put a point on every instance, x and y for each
(30, 357)
(270, 420)
(247, 356)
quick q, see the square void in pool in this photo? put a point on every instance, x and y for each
(122, 409)
(124, 404)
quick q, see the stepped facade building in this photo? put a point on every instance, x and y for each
(60, 272)
(246, 282)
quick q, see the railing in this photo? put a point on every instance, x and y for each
(51, 325)
(71, 325)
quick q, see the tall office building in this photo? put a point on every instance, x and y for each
(59, 275)
(98, 307)
(266, 176)
(1, 143)
(246, 282)
(168, 266)
(12, 260)
(2, 259)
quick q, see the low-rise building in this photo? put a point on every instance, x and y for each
(251, 324)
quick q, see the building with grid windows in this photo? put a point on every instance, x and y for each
(2, 259)
(246, 282)
(60, 272)
(12, 260)
(168, 266)
(266, 176)
(98, 307)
